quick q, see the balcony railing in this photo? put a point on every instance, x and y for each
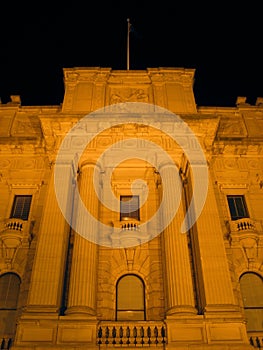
(6, 343)
(13, 225)
(245, 225)
(256, 339)
(14, 233)
(129, 225)
(131, 334)
(128, 233)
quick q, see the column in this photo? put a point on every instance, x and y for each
(179, 284)
(46, 286)
(217, 286)
(83, 274)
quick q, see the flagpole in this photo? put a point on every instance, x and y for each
(128, 43)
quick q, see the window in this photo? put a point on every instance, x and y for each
(251, 286)
(237, 207)
(129, 207)
(21, 207)
(9, 293)
(130, 298)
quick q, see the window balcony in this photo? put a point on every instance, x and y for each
(245, 225)
(127, 232)
(13, 233)
(129, 224)
(244, 232)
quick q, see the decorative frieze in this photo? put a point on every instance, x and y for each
(134, 94)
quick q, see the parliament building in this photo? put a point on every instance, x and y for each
(130, 217)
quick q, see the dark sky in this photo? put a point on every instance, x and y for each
(221, 41)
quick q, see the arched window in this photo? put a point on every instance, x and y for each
(9, 293)
(130, 298)
(251, 286)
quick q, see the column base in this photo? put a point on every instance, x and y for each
(81, 311)
(181, 310)
(223, 311)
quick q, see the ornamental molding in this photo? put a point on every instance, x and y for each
(33, 187)
(26, 162)
(238, 148)
(233, 186)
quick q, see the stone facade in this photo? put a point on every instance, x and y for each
(113, 128)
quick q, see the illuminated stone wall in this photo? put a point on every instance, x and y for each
(68, 280)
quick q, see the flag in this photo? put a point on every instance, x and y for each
(129, 25)
(130, 29)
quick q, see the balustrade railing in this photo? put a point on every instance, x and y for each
(245, 225)
(15, 225)
(256, 339)
(130, 334)
(130, 226)
(13, 233)
(6, 343)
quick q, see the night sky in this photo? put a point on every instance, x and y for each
(221, 41)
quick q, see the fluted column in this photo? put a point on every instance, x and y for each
(179, 284)
(82, 287)
(46, 285)
(217, 287)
